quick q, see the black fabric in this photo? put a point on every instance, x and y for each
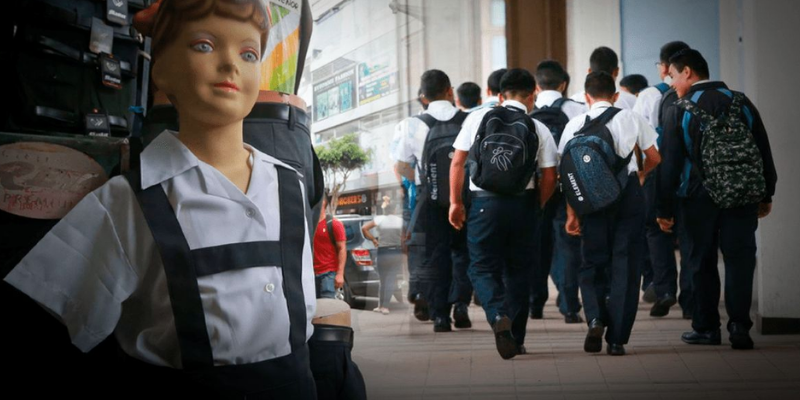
(437, 154)
(503, 157)
(674, 153)
(337, 376)
(553, 117)
(184, 293)
(331, 236)
(229, 257)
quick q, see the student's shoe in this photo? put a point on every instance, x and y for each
(662, 305)
(506, 345)
(709, 337)
(376, 309)
(412, 297)
(461, 316)
(687, 314)
(649, 295)
(615, 349)
(572, 318)
(476, 300)
(740, 338)
(521, 349)
(537, 313)
(421, 311)
(594, 338)
(442, 325)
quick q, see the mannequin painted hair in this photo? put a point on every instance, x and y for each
(163, 20)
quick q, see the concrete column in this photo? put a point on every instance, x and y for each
(590, 24)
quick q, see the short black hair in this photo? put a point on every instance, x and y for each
(434, 84)
(690, 58)
(493, 83)
(600, 85)
(669, 49)
(517, 82)
(550, 74)
(603, 59)
(635, 83)
(566, 80)
(469, 94)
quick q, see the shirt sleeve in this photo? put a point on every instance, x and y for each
(547, 155)
(338, 231)
(80, 272)
(468, 131)
(647, 105)
(403, 141)
(647, 135)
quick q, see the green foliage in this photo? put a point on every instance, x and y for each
(338, 159)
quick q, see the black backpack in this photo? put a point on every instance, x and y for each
(437, 154)
(592, 175)
(553, 117)
(503, 157)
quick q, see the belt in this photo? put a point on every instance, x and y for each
(485, 193)
(271, 96)
(333, 333)
(283, 112)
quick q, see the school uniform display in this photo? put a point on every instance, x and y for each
(200, 283)
(709, 220)
(612, 236)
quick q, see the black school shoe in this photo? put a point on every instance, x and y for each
(662, 306)
(594, 338)
(707, 338)
(537, 313)
(461, 316)
(442, 324)
(572, 318)
(649, 295)
(740, 338)
(615, 349)
(421, 311)
(506, 345)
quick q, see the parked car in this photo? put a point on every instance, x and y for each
(361, 281)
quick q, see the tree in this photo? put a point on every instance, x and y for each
(338, 159)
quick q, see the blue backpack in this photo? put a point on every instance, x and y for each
(592, 175)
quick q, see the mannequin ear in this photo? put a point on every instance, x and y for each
(158, 76)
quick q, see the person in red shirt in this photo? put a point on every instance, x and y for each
(329, 260)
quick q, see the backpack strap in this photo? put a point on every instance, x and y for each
(662, 87)
(329, 222)
(459, 117)
(427, 119)
(606, 116)
(560, 102)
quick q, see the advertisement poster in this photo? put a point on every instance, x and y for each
(279, 67)
(375, 81)
(335, 94)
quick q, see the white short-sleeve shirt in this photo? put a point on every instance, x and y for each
(625, 100)
(627, 128)
(647, 105)
(100, 272)
(546, 156)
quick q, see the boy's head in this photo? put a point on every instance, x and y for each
(207, 56)
(685, 68)
(600, 86)
(435, 85)
(603, 59)
(468, 95)
(666, 52)
(633, 84)
(422, 100)
(493, 83)
(518, 84)
(550, 75)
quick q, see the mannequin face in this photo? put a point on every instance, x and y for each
(211, 70)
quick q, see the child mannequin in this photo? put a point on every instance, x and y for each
(199, 263)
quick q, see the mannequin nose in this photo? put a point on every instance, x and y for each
(227, 62)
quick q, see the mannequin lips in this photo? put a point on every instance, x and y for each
(227, 86)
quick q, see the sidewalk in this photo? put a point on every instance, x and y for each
(402, 358)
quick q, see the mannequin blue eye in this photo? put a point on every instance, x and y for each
(203, 47)
(249, 56)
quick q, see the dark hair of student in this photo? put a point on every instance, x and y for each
(493, 83)
(671, 48)
(690, 58)
(550, 74)
(434, 84)
(566, 80)
(603, 59)
(635, 83)
(517, 82)
(600, 85)
(469, 94)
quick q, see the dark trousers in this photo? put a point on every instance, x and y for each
(686, 295)
(337, 376)
(500, 238)
(544, 236)
(445, 253)
(415, 246)
(611, 246)
(732, 231)
(566, 261)
(660, 245)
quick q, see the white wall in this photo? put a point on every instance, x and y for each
(590, 24)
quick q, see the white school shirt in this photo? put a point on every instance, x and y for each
(100, 272)
(410, 134)
(546, 156)
(627, 128)
(625, 101)
(648, 105)
(572, 109)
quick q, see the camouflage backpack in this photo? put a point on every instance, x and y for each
(733, 170)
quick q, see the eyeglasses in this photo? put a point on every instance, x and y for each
(659, 63)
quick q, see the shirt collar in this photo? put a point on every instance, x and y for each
(514, 103)
(701, 82)
(440, 107)
(601, 104)
(167, 157)
(547, 97)
(491, 99)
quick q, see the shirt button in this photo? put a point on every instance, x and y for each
(250, 213)
(269, 288)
